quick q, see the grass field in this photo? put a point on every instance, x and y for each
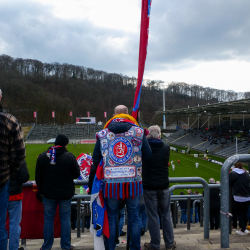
(186, 168)
(33, 150)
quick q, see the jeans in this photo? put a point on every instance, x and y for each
(121, 220)
(143, 216)
(196, 214)
(50, 206)
(4, 199)
(134, 223)
(15, 215)
(153, 199)
(248, 214)
(241, 211)
(183, 216)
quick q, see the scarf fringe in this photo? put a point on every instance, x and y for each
(122, 190)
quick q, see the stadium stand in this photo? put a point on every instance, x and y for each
(72, 131)
(219, 139)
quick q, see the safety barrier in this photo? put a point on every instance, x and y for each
(206, 198)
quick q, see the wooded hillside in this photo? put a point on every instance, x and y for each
(29, 85)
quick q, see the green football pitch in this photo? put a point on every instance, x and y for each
(186, 168)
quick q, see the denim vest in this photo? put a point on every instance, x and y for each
(122, 162)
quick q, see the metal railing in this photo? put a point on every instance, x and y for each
(206, 198)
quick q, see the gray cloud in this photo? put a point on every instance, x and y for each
(180, 32)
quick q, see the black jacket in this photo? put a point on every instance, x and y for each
(117, 128)
(214, 199)
(155, 170)
(56, 181)
(239, 181)
(183, 204)
(18, 178)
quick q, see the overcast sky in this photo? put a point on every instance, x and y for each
(193, 41)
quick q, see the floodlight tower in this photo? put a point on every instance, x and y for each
(164, 84)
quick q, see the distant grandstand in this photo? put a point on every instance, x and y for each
(43, 133)
(219, 138)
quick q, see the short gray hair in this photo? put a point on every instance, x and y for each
(211, 180)
(154, 132)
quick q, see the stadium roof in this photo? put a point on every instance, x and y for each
(221, 108)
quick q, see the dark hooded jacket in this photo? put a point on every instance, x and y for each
(117, 128)
(18, 178)
(155, 170)
(239, 181)
(56, 181)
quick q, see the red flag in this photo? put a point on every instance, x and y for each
(70, 113)
(53, 114)
(105, 114)
(34, 114)
(145, 14)
(88, 113)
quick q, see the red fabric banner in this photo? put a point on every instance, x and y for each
(53, 114)
(35, 114)
(33, 217)
(145, 14)
(88, 113)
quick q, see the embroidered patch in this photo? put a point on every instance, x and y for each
(136, 149)
(111, 162)
(122, 134)
(130, 161)
(139, 171)
(137, 158)
(139, 132)
(105, 152)
(119, 172)
(111, 136)
(136, 142)
(120, 150)
(104, 143)
(102, 133)
(129, 133)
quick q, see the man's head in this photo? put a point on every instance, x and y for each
(211, 180)
(62, 140)
(217, 182)
(154, 132)
(120, 109)
(189, 191)
(195, 192)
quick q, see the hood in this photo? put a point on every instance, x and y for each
(119, 127)
(239, 171)
(155, 144)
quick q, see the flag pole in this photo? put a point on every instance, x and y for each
(145, 14)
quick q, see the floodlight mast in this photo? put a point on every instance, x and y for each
(164, 118)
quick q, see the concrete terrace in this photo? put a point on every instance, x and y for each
(186, 239)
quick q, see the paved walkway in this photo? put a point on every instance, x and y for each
(186, 239)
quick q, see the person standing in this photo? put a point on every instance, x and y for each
(12, 154)
(121, 146)
(214, 206)
(55, 171)
(239, 181)
(156, 191)
(15, 205)
(191, 206)
(183, 205)
(196, 165)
